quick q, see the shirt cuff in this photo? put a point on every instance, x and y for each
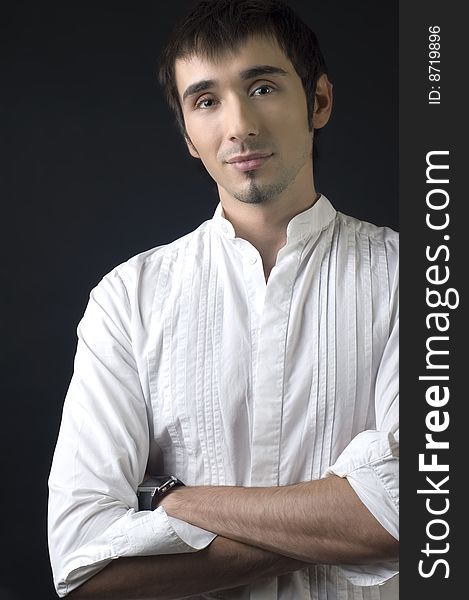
(371, 465)
(375, 574)
(142, 533)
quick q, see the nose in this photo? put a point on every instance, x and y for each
(241, 120)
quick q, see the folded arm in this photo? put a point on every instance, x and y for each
(320, 521)
(263, 532)
(224, 564)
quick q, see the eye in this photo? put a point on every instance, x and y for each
(204, 103)
(263, 90)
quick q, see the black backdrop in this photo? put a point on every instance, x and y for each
(95, 171)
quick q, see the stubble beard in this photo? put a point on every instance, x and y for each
(256, 192)
(260, 194)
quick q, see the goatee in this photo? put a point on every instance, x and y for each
(257, 194)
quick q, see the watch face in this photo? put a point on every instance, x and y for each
(154, 487)
(166, 486)
(159, 484)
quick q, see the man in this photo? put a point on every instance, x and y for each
(255, 359)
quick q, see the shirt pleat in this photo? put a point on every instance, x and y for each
(189, 298)
(313, 458)
(324, 591)
(341, 585)
(220, 446)
(201, 362)
(322, 443)
(180, 317)
(170, 410)
(365, 341)
(331, 347)
(382, 297)
(209, 408)
(351, 359)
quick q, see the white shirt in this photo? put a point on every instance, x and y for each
(188, 361)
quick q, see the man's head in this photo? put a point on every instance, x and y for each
(247, 81)
(214, 27)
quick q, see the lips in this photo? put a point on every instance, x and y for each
(249, 162)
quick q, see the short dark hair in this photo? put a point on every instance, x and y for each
(213, 27)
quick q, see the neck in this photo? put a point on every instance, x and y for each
(265, 225)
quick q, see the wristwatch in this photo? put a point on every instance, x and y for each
(153, 488)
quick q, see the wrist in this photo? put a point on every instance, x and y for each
(175, 501)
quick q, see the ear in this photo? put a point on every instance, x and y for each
(190, 146)
(322, 102)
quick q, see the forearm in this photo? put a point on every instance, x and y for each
(224, 564)
(321, 521)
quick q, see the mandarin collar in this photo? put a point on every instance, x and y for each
(302, 226)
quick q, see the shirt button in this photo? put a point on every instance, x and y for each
(253, 260)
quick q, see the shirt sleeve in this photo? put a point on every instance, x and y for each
(370, 462)
(102, 452)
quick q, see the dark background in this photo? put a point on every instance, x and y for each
(94, 171)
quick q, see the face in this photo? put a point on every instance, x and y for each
(246, 119)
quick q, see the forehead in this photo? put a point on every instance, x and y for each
(229, 64)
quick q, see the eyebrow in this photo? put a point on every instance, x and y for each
(250, 73)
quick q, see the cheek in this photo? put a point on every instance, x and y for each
(204, 139)
(292, 132)
(289, 117)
